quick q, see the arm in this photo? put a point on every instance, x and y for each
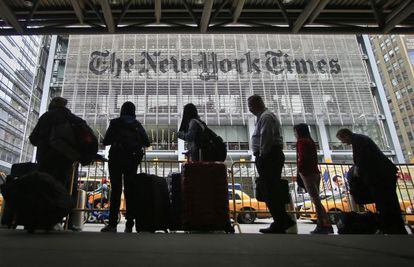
(192, 133)
(143, 135)
(39, 132)
(109, 135)
(266, 134)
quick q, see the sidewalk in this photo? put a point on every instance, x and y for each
(17, 248)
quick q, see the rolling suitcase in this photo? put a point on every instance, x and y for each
(174, 185)
(205, 197)
(151, 202)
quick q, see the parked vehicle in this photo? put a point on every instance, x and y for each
(338, 203)
(255, 208)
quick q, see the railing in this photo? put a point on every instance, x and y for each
(244, 207)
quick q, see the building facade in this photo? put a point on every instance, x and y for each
(394, 55)
(320, 80)
(21, 79)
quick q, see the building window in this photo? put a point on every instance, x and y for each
(410, 136)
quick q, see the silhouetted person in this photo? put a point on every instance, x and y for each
(267, 145)
(50, 160)
(380, 176)
(307, 163)
(127, 137)
(191, 131)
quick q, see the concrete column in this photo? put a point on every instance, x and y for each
(327, 152)
(46, 83)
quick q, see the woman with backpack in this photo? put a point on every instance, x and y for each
(307, 164)
(191, 131)
(127, 137)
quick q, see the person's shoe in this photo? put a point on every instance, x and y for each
(74, 228)
(108, 229)
(272, 230)
(325, 230)
(58, 227)
(128, 229)
(290, 227)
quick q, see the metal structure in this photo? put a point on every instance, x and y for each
(205, 16)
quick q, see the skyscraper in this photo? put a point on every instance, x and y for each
(21, 77)
(394, 56)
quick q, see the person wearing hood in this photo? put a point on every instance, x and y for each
(49, 159)
(127, 137)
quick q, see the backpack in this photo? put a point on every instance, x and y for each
(87, 143)
(212, 145)
(129, 143)
(76, 141)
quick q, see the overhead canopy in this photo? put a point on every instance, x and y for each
(205, 16)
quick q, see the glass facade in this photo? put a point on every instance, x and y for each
(317, 79)
(19, 98)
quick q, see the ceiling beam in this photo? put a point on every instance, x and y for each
(8, 15)
(218, 10)
(157, 7)
(219, 30)
(32, 11)
(76, 5)
(205, 17)
(318, 10)
(107, 12)
(285, 14)
(238, 10)
(398, 18)
(191, 12)
(397, 10)
(123, 13)
(377, 13)
(303, 17)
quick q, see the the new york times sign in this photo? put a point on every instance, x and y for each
(209, 65)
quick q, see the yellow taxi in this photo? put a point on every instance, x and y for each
(341, 203)
(250, 207)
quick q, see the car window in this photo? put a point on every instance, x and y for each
(237, 196)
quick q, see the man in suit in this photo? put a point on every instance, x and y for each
(380, 176)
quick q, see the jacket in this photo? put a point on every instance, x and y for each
(115, 132)
(194, 137)
(307, 157)
(40, 135)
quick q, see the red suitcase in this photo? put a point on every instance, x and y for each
(205, 197)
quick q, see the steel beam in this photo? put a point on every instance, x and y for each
(191, 12)
(107, 12)
(285, 13)
(124, 11)
(32, 11)
(205, 17)
(303, 17)
(8, 15)
(157, 7)
(318, 10)
(76, 5)
(397, 19)
(217, 30)
(238, 10)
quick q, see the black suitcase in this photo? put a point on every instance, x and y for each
(36, 201)
(174, 184)
(17, 170)
(20, 169)
(357, 223)
(151, 202)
